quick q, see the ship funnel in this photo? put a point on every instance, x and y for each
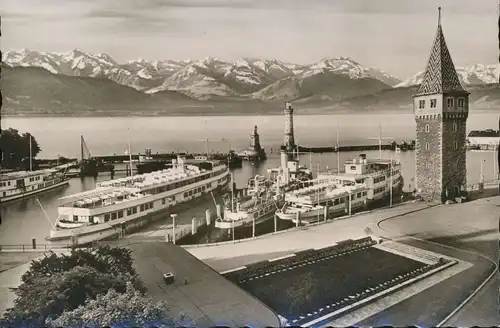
(362, 156)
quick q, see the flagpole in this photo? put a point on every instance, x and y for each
(390, 190)
(130, 154)
(338, 151)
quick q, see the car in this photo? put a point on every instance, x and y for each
(168, 278)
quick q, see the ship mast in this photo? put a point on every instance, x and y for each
(380, 138)
(31, 156)
(130, 154)
(338, 151)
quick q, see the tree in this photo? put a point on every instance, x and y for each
(73, 279)
(36, 301)
(16, 149)
(114, 309)
(105, 259)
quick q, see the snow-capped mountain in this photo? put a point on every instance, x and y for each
(346, 66)
(475, 74)
(203, 78)
(330, 78)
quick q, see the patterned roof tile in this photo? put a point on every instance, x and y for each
(440, 75)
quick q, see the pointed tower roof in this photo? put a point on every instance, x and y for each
(440, 75)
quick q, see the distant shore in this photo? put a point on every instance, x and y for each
(302, 112)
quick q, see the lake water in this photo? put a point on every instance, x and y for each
(61, 135)
(23, 220)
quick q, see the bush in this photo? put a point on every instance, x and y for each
(56, 285)
(114, 309)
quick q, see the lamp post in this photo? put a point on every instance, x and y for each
(390, 190)
(481, 177)
(173, 216)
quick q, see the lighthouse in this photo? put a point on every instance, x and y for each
(289, 139)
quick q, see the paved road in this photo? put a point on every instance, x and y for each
(472, 225)
(207, 298)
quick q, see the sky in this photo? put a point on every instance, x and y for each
(392, 35)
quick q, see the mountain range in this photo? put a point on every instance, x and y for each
(82, 83)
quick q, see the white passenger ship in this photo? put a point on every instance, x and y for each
(124, 203)
(255, 205)
(309, 204)
(16, 185)
(366, 181)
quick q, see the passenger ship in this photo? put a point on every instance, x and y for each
(16, 185)
(366, 181)
(255, 205)
(119, 204)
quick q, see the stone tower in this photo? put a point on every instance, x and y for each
(289, 140)
(441, 108)
(255, 140)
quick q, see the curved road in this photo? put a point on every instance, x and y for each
(464, 231)
(471, 226)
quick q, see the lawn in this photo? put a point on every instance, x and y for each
(329, 283)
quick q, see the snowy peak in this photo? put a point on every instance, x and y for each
(198, 78)
(471, 75)
(349, 67)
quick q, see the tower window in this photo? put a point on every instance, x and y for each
(433, 103)
(427, 128)
(461, 102)
(455, 127)
(427, 147)
(421, 104)
(455, 145)
(449, 102)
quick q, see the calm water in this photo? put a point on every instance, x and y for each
(23, 220)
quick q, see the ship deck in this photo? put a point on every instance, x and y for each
(24, 174)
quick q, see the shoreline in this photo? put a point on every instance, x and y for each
(322, 111)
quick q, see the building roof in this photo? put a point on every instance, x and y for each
(440, 74)
(489, 133)
(198, 291)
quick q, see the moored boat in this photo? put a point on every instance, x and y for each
(311, 204)
(367, 181)
(17, 185)
(254, 205)
(118, 205)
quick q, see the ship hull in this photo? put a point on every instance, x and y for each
(238, 224)
(34, 192)
(316, 215)
(312, 216)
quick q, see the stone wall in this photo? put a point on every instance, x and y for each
(428, 162)
(454, 160)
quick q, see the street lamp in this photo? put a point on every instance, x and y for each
(481, 177)
(173, 216)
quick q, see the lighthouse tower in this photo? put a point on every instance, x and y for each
(289, 140)
(255, 140)
(441, 109)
